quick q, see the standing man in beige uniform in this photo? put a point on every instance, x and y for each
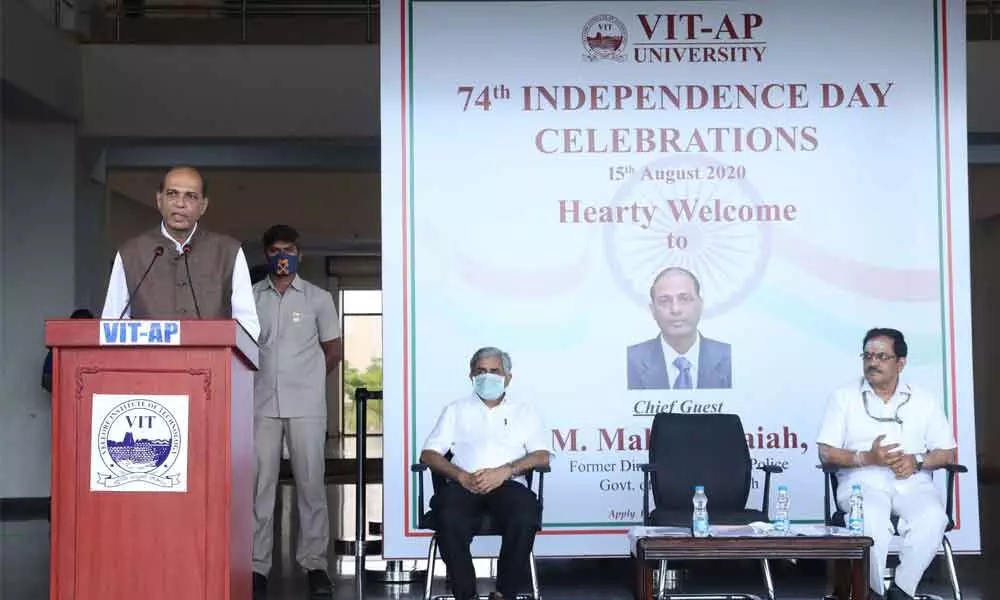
(299, 345)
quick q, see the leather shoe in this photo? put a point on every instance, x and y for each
(320, 586)
(259, 587)
(495, 596)
(894, 593)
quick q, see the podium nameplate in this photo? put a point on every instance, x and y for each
(129, 332)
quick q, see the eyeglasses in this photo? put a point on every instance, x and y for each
(894, 419)
(880, 357)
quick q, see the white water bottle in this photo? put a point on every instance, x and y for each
(856, 512)
(699, 519)
(782, 505)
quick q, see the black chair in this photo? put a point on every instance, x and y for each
(686, 450)
(429, 521)
(837, 518)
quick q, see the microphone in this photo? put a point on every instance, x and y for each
(157, 253)
(187, 268)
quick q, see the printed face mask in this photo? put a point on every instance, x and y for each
(283, 264)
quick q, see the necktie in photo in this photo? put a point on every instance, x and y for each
(683, 381)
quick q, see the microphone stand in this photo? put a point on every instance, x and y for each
(157, 253)
(187, 269)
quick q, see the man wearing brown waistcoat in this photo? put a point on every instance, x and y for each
(218, 286)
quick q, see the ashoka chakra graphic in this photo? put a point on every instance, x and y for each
(728, 257)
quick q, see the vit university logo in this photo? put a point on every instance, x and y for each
(139, 440)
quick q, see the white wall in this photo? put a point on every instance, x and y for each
(39, 59)
(94, 255)
(984, 86)
(38, 243)
(223, 91)
(311, 91)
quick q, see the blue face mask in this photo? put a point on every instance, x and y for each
(488, 386)
(283, 264)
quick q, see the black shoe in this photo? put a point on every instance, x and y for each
(320, 586)
(894, 593)
(259, 587)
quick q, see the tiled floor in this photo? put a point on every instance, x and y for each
(24, 548)
(24, 575)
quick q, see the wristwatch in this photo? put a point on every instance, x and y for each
(920, 461)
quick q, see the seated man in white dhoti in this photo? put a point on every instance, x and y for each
(887, 435)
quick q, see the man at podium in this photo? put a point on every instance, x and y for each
(179, 270)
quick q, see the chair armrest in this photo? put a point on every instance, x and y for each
(765, 500)
(953, 470)
(828, 501)
(647, 485)
(418, 470)
(541, 470)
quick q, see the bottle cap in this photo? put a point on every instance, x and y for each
(699, 488)
(856, 487)
(782, 488)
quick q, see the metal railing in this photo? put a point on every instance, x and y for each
(63, 13)
(235, 21)
(293, 21)
(982, 20)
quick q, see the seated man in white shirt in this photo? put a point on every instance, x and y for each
(494, 440)
(888, 435)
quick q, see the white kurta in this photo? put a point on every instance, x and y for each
(917, 422)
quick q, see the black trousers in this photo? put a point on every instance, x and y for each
(514, 509)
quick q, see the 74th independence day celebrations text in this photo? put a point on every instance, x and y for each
(679, 97)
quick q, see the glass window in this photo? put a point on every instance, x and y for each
(362, 329)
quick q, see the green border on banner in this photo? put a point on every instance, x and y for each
(411, 301)
(942, 207)
(944, 268)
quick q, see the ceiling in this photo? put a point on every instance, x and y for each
(331, 211)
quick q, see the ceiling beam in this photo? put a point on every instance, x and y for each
(333, 155)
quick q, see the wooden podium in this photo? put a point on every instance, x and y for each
(152, 460)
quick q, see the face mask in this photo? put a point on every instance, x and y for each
(283, 264)
(488, 386)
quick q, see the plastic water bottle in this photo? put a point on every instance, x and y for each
(699, 520)
(782, 505)
(856, 516)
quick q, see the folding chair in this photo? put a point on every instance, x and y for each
(837, 518)
(429, 520)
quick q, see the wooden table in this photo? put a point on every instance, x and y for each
(853, 550)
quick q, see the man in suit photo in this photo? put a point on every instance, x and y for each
(679, 357)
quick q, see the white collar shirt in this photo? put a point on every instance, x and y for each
(913, 418)
(480, 437)
(178, 246)
(670, 355)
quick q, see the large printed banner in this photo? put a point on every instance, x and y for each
(543, 162)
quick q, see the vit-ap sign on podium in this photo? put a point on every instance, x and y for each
(542, 162)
